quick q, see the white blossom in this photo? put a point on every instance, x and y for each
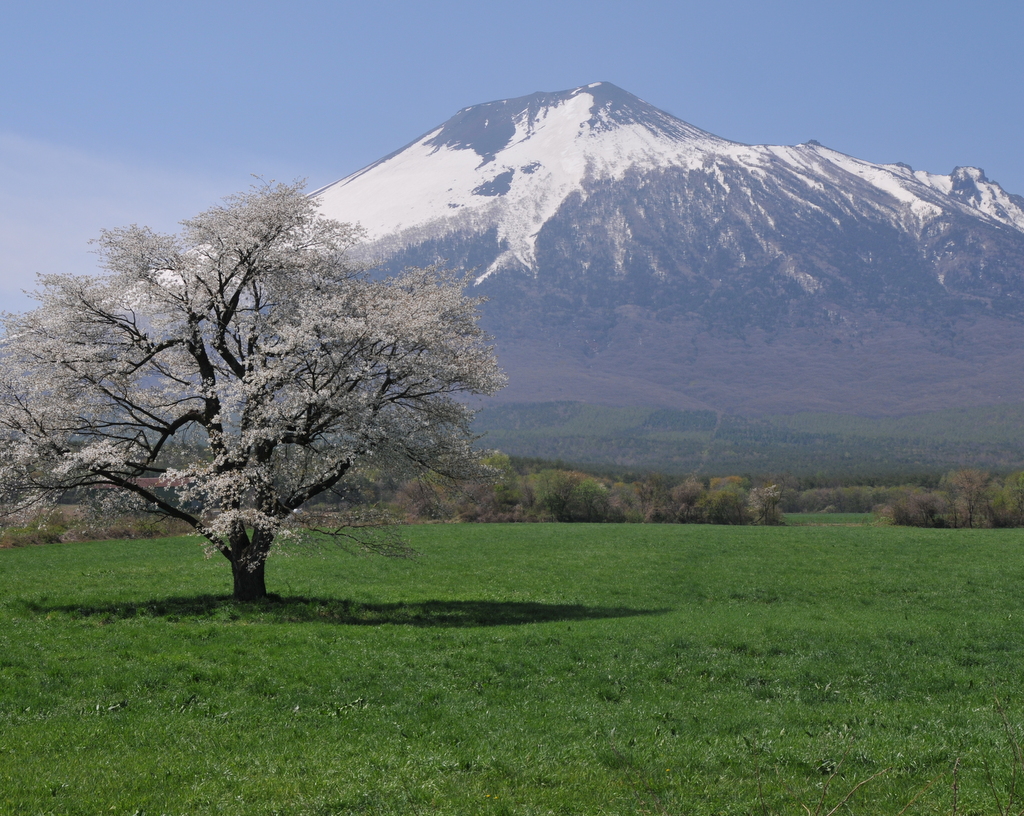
(249, 337)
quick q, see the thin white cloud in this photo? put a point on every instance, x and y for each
(55, 199)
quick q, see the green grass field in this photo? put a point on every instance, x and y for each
(535, 669)
(828, 519)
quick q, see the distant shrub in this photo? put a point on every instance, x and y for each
(47, 528)
(965, 498)
(725, 502)
(686, 501)
(590, 501)
(1008, 502)
(541, 491)
(135, 526)
(969, 493)
(652, 496)
(426, 499)
(837, 499)
(917, 509)
(555, 490)
(64, 524)
(763, 503)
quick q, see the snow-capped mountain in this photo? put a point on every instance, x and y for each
(592, 220)
(512, 165)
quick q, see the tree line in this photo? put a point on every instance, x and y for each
(964, 498)
(529, 490)
(533, 491)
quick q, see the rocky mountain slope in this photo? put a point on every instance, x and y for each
(631, 258)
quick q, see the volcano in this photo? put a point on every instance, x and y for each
(630, 258)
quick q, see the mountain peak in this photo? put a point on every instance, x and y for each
(489, 128)
(518, 159)
(626, 252)
(506, 168)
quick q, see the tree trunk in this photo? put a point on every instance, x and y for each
(248, 561)
(249, 583)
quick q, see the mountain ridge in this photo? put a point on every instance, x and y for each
(623, 249)
(492, 128)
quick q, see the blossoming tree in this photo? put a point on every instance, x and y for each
(284, 367)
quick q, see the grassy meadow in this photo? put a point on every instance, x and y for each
(533, 669)
(828, 519)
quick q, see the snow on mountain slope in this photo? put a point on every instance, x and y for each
(510, 166)
(449, 180)
(628, 257)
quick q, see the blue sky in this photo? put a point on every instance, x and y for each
(124, 112)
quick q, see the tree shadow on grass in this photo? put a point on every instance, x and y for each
(298, 609)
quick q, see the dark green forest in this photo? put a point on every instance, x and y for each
(832, 448)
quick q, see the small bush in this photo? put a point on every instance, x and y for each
(685, 499)
(61, 525)
(138, 526)
(917, 509)
(43, 530)
(724, 505)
